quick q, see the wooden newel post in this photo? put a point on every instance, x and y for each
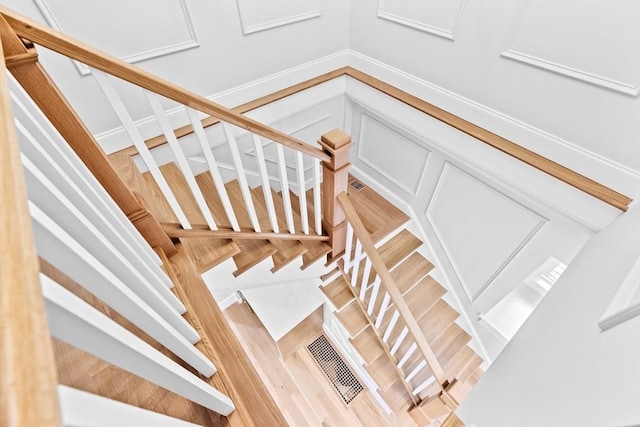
(335, 177)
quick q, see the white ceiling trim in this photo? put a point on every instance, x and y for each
(447, 33)
(628, 88)
(189, 43)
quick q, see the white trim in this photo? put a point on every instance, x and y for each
(626, 302)
(431, 29)
(287, 20)
(541, 222)
(628, 88)
(411, 191)
(84, 70)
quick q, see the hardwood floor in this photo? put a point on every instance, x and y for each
(298, 386)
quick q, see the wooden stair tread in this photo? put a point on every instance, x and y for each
(398, 248)
(452, 421)
(397, 396)
(462, 364)
(379, 216)
(208, 252)
(423, 295)
(315, 250)
(450, 342)
(252, 252)
(367, 344)
(382, 371)
(410, 271)
(435, 320)
(352, 318)
(288, 250)
(338, 292)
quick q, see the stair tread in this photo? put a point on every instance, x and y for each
(367, 344)
(423, 295)
(315, 250)
(450, 342)
(352, 318)
(252, 252)
(382, 371)
(397, 397)
(398, 248)
(410, 271)
(338, 292)
(436, 319)
(462, 364)
(208, 252)
(288, 250)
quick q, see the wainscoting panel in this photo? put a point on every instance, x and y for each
(480, 228)
(399, 159)
(601, 45)
(115, 26)
(440, 18)
(263, 15)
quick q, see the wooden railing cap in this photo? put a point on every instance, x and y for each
(335, 139)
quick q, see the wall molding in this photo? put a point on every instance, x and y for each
(627, 88)
(411, 191)
(473, 296)
(292, 19)
(431, 29)
(190, 43)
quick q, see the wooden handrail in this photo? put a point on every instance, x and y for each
(28, 377)
(380, 268)
(175, 230)
(72, 48)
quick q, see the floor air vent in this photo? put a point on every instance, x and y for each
(356, 184)
(338, 373)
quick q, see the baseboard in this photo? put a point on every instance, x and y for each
(116, 139)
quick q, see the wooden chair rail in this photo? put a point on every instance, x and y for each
(381, 270)
(72, 48)
(28, 376)
(175, 230)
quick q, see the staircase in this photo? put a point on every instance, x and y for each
(404, 382)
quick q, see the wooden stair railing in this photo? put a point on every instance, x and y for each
(365, 271)
(297, 166)
(28, 376)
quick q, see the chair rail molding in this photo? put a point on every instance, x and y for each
(523, 19)
(191, 41)
(453, 14)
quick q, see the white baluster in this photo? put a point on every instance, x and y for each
(383, 310)
(348, 248)
(214, 171)
(356, 264)
(77, 323)
(81, 409)
(284, 187)
(136, 138)
(398, 343)
(365, 279)
(181, 160)
(61, 250)
(302, 193)
(416, 370)
(42, 192)
(374, 295)
(392, 324)
(266, 185)
(407, 355)
(242, 177)
(424, 385)
(317, 197)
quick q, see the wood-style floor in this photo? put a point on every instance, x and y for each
(298, 386)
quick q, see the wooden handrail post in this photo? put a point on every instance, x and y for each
(44, 92)
(335, 177)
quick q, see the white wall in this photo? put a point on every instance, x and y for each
(560, 370)
(217, 45)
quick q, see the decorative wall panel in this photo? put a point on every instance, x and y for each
(130, 30)
(260, 15)
(441, 18)
(399, 159)
(480, 228)
(593, 41)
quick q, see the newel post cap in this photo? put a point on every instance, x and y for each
(335, 140)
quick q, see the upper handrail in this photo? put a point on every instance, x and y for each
(392, 289)
(28, 376)
(75, 49)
